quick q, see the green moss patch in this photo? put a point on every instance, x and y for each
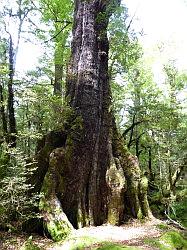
(87, 242)
(168, 241)
(162, 227)
(78, 243)
(109, 246)
(58, 230)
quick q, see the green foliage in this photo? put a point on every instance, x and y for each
(16, 196)
(46, 111)
(153, 122)
(179, 211)
(57, 16)
(57, 10)
(39, 111)
(125, 49)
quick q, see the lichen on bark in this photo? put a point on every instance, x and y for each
(116, 183)
(143, 197)
(55, 220)
(135, 197)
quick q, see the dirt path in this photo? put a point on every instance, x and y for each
(132, 234)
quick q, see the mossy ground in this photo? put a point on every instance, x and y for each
(169, 241)
(109, 246)
(91, 243)
(162, 226)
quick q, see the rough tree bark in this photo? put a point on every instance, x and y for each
(89, 174)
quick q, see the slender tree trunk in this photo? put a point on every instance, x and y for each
(2, 103)
(91, 173)
(28, 140)
(176, 176)
(132, 131)
(58, 69)
(11, 114)
(60, 56)
(151, 174)
(58, 80)
(3, 115)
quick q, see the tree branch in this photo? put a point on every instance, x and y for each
(175, 223)
(135, 140)
(52, 38)
(132, 126)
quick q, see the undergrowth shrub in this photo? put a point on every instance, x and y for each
(180, 212)
(17, 199)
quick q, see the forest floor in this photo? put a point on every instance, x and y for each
(134, 234)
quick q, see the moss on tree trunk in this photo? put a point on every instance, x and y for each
(135, 198)
(116, 184)
(91, 177)
(56, 222)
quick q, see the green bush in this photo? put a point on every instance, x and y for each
(15, 191)
(180, 212)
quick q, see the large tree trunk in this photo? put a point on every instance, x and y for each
(92, 168)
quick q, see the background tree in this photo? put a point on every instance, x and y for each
(60, 14)
(13, 18)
